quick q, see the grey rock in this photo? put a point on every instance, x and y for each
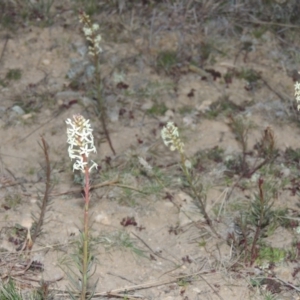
(18, 110)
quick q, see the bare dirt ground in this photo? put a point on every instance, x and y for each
(198, 64)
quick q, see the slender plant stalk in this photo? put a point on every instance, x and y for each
(172, 140)
(45, 200)
(81, 144)
(101, 105)
(90, 32)
(196, 194)
(260, 221)
(86, 231)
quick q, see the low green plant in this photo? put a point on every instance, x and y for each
(13, 74)
(259, 32)
(34, 10)
(259, 217)
(9, 291)
(222, 106)
(270, 255)
(12, 200)
(241, 129)
(292, 155)
(89, 6)
(120, 240)
(250, 75)
(266, 148)
(43, 292)
(215, 154)
(41, 9)
(157, 109)
(268, 295)
(166, 60)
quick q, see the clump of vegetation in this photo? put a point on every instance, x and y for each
(14, 74)
(157, 109)
(166, 60)
(223, 106)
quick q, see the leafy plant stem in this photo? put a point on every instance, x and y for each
(260, 221)
(101, 106)
(196, 193)
(90, 32)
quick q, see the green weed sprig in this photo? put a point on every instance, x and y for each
(241, 130)
(81, 145)
(91, 33)
(261, 215)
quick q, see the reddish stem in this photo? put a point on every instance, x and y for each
(86, 229)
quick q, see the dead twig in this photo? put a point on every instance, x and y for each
(155, 253)
(100, 185)
(147, 285)
(7, 37)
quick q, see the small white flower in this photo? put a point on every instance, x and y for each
(79, 165)
(255, 177)
(95, 27)
(87, 31)
(94, 165)
(97, 49)
(188, 164)
(98, 39)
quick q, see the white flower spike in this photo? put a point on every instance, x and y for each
(171, 137)
(81, 142)
(90, 32)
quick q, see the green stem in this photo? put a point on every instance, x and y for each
(196, 194)
(101, 106)
(85, 254)
(259, 226)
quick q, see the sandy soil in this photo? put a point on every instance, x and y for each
(170, 253)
